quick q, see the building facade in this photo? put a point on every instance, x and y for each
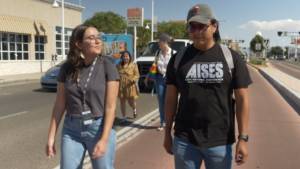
(30, 34)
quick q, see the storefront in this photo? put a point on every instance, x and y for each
(30, 33)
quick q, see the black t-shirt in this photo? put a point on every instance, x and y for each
(204, 117)
(96, 88)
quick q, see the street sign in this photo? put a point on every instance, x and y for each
(257, 46)
(135, 17)
(266, 43)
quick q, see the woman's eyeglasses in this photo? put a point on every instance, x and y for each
(201, 28)
(93, 39)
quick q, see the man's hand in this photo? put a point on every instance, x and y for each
(99, 149)
(241, 152)
(168, 144)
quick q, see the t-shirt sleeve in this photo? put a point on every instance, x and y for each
(241, 77)
(111, 73)
(62, 73)
(170, 75)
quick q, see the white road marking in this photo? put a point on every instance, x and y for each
(13, 115)
(5, 94)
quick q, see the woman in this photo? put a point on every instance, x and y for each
(129, 74)
(163, 56)
(87, 89)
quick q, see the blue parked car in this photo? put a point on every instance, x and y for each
(48, 81)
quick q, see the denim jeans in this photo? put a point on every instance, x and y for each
(161, 90)
(189, 156)
(77, 138)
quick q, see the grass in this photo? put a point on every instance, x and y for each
(257, 61)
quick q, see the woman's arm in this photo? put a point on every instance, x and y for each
(112, 89)
(57, 113)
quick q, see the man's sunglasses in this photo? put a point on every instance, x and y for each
(201, 28)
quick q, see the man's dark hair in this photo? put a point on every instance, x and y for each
(217, 37)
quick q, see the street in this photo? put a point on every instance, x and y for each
(274, 131)
(25, 112)
(288, 67)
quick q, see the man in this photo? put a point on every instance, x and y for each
(204, 123)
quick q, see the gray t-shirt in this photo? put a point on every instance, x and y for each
(96, 88)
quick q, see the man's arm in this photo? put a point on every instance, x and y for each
(171, 101)
(242, 115)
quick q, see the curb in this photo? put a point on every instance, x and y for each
(289, 92)
(16, 81)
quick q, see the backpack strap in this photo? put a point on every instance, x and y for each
(228, 58)
(179, 57)
(157, 56)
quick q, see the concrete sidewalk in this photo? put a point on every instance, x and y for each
(20, 78)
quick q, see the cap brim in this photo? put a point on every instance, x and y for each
(199, 19)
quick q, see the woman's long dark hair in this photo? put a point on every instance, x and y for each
(75, 61)
(122, 63)
(216, 36)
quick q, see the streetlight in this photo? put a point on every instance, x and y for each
(152, 21)
(55, 5)
(147, 27)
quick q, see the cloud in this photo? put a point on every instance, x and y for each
(279, 25)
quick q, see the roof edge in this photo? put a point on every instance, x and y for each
(66, 5)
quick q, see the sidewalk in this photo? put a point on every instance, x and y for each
(274, 130)
(20, 78)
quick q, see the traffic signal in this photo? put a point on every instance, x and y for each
(279, 33)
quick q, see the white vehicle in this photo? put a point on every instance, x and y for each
(146, 59)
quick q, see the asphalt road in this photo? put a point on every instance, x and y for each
(25, 112)
(288, 67)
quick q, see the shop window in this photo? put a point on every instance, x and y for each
(5, 55)
(13, 46)
(58, 40)
(39, 48)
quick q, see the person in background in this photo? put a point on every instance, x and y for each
(87, 89)
(128, 90)
(163, 56)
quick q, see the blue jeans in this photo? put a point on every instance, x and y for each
(161, 90)
(77, 138)
(189, 156)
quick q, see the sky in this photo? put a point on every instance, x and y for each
(244, 18)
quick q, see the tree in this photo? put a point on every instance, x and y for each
(254, 41)
(107, 22)
(276, 50)
(174, 29)
(286, 52)
(143, 34)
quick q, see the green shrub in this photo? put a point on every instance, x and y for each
(257, 61)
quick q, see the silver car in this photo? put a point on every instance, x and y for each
(48, 81)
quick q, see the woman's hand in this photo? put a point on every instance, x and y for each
(99, 149)
(130, 80)
(50, 148)
(146, 80)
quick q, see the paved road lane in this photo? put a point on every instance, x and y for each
(23, 136)
(274, 130)
(288, 67)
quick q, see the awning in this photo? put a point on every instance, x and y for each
(16, 24)
(42, 27)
